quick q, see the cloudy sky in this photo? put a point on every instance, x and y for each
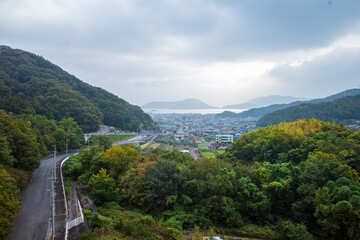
(221, 52)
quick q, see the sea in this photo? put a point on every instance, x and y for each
(193, 111)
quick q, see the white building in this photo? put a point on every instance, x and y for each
(224, 138)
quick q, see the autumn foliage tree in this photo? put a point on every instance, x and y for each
(118, 158)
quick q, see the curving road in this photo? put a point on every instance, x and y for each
(32, 221)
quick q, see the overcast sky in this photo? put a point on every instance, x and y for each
(221, 52)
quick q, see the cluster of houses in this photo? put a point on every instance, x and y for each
(199, 128)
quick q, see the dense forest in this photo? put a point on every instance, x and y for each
(339, 110)
(296, 180)
(29, 84)
(24, 139)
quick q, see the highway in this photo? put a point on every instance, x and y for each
(137, 140)
(32, 221)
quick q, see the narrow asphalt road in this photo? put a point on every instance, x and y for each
(31, 222)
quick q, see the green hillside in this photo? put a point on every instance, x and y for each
(30, 84)
(339, 110)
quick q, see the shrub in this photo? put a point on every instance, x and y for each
(292, 231)
(94, 221)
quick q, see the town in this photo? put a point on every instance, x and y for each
(206, 134)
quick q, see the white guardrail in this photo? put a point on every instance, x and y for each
(72, 223)
(75, 221)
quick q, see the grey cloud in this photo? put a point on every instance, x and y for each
(256, 27)
(217, 29)
(325, 75)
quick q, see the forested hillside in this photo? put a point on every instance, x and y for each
(294, 181)
(339, 110)
(29, 84)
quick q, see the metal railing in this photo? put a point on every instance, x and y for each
(77, 220)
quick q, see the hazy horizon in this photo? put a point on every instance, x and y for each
(220, 52)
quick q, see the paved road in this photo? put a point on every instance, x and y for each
(137, 139)
(193, 154)
(31, 222)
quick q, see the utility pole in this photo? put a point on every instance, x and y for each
(67, 140)
(53, 208)
(88, 144)
(54, 160)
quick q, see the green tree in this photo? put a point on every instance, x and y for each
(6, 158)
(164, 180)
(9, 203)
(315, 173)
(101, 187)
(223, 210)
(22, 142)
(102, 141)
(337, 209)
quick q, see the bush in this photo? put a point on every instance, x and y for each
(292, 231)
(72, 168)
(173, 223)
(94, 221)
(135, 230)
(147, 220)
(87, 236)
(174, 227)
(114, 206)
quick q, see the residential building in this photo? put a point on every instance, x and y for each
(224, 138)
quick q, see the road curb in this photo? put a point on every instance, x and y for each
(63, 186)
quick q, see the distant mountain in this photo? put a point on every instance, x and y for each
(32, 85)
(339, 110)
(349, 92)
(264, 102)
(259, 112)
(189, 103)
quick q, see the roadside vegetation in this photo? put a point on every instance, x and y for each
(295, 180)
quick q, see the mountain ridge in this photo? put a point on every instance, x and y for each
(259, 112)
(189, 103)
(264, 101)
